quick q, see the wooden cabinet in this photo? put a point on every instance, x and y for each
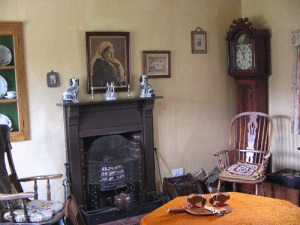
(12, 72)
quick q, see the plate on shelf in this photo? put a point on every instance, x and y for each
(5, 120)
(12, 97)
(5, 56)
(3, 86)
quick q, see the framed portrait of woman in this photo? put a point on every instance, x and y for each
(108, 60)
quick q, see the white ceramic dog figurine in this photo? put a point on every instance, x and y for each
(146, 88)
(70, 95)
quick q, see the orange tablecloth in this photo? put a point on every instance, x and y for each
(247, 209)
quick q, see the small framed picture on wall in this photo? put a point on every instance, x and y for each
(157, 64)
(199, 42)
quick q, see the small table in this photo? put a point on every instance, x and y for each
(247, 209)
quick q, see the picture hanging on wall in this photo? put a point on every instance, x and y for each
(157, 64)
(108, 60)
(52, 79)
(199, 42)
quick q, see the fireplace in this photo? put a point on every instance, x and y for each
(110, 149)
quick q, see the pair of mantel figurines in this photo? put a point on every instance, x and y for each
(70, 95)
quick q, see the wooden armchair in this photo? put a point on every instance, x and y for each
(246, 160)
(12, 195)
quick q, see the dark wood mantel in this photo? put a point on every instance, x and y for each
(96, 118)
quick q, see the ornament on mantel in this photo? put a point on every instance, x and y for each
(110, 91)
(146, 89)
(70, 95)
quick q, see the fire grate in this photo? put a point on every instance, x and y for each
(112, 174)
(110, 165)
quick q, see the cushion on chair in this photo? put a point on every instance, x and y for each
(243, 170)
(51, 206)
(34, 216)
(38, 211)
(287, 177)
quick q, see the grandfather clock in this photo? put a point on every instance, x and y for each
(248, 63)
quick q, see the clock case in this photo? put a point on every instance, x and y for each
(260, 42)
(251, 84)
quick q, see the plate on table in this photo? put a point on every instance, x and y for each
(5, 120)
(208, 209)
(200, 210)
(5, 56)
(3, 86)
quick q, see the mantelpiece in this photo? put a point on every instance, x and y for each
(85, 122)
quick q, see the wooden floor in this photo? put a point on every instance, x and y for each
(128, 221)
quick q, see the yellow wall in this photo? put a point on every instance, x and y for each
(281, 17)
(199, 100)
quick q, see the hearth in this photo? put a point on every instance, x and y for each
(110, 149)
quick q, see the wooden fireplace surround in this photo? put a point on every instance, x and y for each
(96, 118)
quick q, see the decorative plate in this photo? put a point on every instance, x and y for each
(5, 56)
(3, 86)
(5, 120)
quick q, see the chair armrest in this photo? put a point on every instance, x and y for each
(265, 161)
(223, 158)
(230, 156)
(23, 196)
(223, 151)
(240, 150)
(267, 156)
(41, 177)
(16, 196)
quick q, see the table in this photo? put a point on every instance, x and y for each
(247, 209)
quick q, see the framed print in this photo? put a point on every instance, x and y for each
(108, 60)
(52, 79)
(199, 42)
(157, 64)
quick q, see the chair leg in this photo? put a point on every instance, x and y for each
(219, 186)
(234, 187)
(256, 189)
(263, 189)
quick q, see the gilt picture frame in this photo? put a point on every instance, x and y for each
(108, 60)
(199, 42)
(157, 64)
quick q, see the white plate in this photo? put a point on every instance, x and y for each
(5, 120)
(3, 86)
(12, 97)
(5, 56)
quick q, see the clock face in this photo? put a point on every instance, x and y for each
(243, 53)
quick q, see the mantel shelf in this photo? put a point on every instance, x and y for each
(96, 102)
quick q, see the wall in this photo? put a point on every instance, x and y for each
(199, 100)
(281, 17)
